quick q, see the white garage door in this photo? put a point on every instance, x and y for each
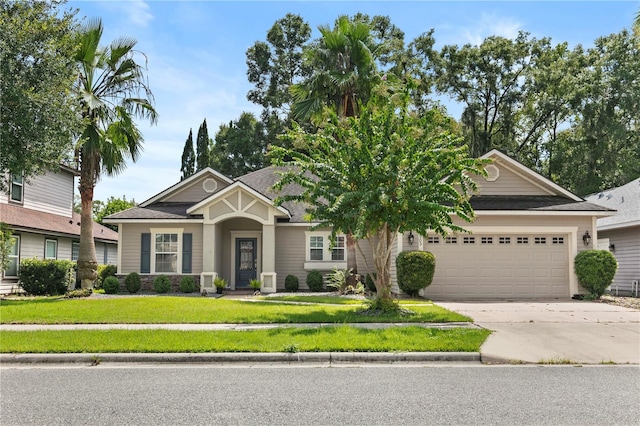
(499, 266)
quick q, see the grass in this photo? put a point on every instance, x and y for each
(196, 310)
(337, 300)
(325, 339)
(556, 360)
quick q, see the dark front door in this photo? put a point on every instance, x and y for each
(246, 263)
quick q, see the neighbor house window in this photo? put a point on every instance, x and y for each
(338, 249)
(316, 248)
(17, 186)
(75, 251)
(166, 249)
(13, 258)
(50, 249)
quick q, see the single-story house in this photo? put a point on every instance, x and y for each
(522, 245)
(620, 234)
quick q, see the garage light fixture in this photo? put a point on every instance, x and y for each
(586, 238)
(411, 238)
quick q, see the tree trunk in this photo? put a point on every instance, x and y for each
(87, 264)
(382, 259)
(352, 261)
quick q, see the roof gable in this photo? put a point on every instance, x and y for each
(509, 177)
(193, 189)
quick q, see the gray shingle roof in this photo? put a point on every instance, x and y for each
(532, 203)
(157, 211)
(625, 199)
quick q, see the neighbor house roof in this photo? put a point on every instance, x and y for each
(20, 218)
(625, 199)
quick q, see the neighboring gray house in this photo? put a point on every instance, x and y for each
(620, 233)
(523, 243)
(44, 225)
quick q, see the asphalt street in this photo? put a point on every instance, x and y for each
(372, 395)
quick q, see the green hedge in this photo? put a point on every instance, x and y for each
(132, 282)
(315, 281)
(111, 285)
(415, 270)
(162, 284)
(291, 283)
(595, 270)
(42, 277)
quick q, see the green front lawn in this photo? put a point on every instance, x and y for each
(325, 339)
(196, 310)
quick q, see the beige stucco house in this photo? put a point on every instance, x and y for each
(522, 245)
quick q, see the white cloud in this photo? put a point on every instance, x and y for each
(138, 12)
(491, 25)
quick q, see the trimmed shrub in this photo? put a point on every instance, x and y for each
(41, 277)
(111, 285)
(595, 270)
(187, 285)
(291, 283)
(370, 283)
(132, 282)
(315, 280)
(161, 284)
(415, 270)
(103, 272)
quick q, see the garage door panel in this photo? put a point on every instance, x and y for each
(532, 269)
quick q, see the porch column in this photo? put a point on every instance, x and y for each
(268, 275)
(208, 257)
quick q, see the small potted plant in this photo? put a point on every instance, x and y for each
(220, 283)
(255, 285)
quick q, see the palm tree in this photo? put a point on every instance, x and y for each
(344, 73)
(112, 90)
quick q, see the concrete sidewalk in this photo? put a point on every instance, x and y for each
(555, 331)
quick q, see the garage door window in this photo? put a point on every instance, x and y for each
(523, 240)
(469, 240)
(433, 240)
(540, 240)
(451, 240)
(486, 240)
(558, 240)
(505, 240)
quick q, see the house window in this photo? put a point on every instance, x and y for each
(75, 251)
(557, 240)
(468, 240)
(13, 257)
(523, 240)
(338, 249)
(505, 240)
(17, 186)
(486, 240)
(433, 240)
(451, 240)
(316, 248)
(166, 250)
(50, 249)
(540, 240)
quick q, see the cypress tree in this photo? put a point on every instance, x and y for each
(188, 158)
(202, 147)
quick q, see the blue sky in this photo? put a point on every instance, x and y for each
(196, 55)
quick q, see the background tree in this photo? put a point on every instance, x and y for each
(37, 117)
(111, 206)
(602, 147)
(111, 91)
(188, 158)
(386, 171)
(239, 147)
(203, 142)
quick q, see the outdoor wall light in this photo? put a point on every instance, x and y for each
(411, 238)
(612, 247)
(586, 238)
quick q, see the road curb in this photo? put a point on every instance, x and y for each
(231, 358)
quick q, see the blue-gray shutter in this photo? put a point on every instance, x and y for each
(145, 253)
(186, 253)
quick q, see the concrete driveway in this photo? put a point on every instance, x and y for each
(555, 331)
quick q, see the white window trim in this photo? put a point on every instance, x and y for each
(11, 192)
(16, 239)
(73, 243)
(154, 232)
(326, 263)
(46, 242)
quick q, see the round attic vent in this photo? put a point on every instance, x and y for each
(209, 185)
(492, 172)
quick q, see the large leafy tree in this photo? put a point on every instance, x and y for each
(386, 171)
(37, 115)
(112, 205)
(203, 155)
(188, 158)
(602, 147)
(112, 92)
(239, 147)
